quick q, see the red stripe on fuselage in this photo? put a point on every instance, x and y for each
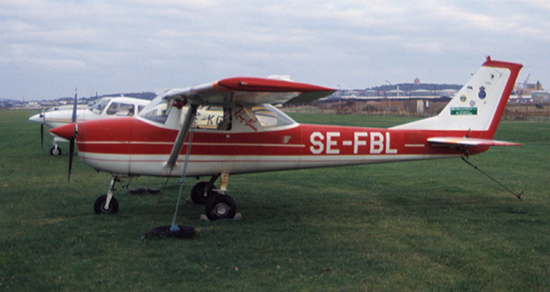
(136, 137)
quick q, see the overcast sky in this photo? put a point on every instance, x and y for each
(49, 48)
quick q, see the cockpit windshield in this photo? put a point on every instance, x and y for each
(156, 111)
(100, 107)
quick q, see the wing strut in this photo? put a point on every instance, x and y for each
(178, 144)
(174, 230)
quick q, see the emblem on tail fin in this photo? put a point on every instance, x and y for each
(482, 94)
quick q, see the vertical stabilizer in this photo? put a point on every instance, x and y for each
(479, 105)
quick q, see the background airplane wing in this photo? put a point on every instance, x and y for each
(454, 141)
(250, 90)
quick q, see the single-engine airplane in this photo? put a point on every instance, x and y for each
(253, 136)
(105, 108)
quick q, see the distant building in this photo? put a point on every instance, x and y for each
(540, 96)
(526, 90)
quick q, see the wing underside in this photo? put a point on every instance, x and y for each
(249, 90)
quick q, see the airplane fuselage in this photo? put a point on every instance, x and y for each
(132, 146)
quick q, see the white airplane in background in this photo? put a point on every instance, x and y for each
(105, 108)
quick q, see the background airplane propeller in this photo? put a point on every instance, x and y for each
(43, 116)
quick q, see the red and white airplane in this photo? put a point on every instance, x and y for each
(249, 135)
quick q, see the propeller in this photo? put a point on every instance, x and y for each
(72, 139)
(43, 116)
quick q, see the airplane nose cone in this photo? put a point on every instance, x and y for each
(66, 131)
(36, 118)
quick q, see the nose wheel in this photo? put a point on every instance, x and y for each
(101, 207)
(55, 151)
(107, 204)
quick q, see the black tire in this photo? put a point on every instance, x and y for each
(220, 207)
(55, 151)
(184, 232)
(198, 195)
(99, 206)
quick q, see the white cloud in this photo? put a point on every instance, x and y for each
(115, 45)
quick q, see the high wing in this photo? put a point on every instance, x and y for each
(454, 141)
(250, 90)
(239, 90)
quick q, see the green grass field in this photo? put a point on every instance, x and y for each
(417, 226)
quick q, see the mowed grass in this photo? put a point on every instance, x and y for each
(417, 226)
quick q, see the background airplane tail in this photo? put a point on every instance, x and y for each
(479, 105)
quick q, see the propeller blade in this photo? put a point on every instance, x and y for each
(71, 153)
(73, 119)
(43, 116)
(72, 139)
(41, 136)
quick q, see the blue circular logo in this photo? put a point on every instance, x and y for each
(482, 94)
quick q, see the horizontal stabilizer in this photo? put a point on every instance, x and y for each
(455, 141)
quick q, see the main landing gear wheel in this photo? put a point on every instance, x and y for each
(99, 205)
(55, 151)
(220, 207)
(199, 195)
